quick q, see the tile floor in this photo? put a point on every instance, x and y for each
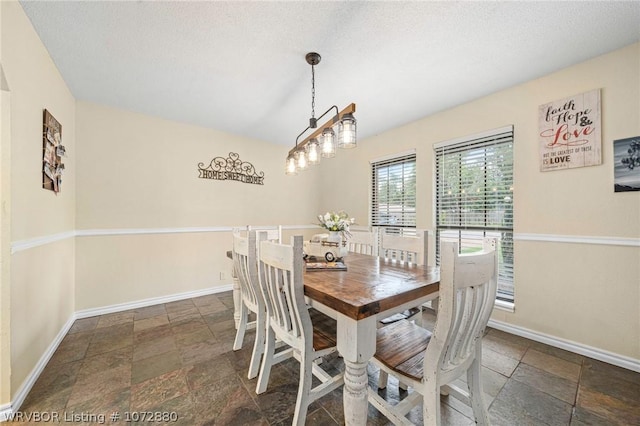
(176, 358)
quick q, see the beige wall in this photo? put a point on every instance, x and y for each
(139, 172)
(5, 245)
(584, 293)
(5, 234)
(42, 279)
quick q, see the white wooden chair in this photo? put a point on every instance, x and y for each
(273, 233)
(363, 241)
(280, 273)
(410, 249)
(245, 265)
(429, 361)
(405, 248)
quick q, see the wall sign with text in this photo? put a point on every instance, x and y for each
(231, 168)
(570, 132)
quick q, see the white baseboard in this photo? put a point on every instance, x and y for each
(568, 345)
(92, 312)
(26, 386)
(7, 410)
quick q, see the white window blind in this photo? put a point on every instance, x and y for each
(474, 198)
(393, 192)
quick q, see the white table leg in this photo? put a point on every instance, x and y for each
(356, 344)
(355, 393)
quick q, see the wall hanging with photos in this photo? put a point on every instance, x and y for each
(53, 151)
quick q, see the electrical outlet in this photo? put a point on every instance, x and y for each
(223, 275)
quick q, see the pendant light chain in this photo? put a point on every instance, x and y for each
(313, 92)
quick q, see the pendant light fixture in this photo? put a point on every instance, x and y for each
(311, 149)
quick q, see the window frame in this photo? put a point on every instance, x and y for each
(408, 218)
(465, 228)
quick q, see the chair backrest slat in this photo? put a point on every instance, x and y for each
(245, 264)
(280, 273)
(273, 233)
(363, 242)
(468, 285)
(278, 304)
(405, 248)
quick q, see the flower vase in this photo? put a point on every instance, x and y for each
(335, 237)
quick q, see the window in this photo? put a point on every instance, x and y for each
(393, 202)
(474, 197)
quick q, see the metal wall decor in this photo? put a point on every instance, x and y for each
(52, 153)
(231, 168)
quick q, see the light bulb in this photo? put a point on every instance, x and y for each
(328, 143)
(313, 156)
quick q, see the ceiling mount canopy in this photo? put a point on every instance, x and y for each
(322, 142)
(313, 58)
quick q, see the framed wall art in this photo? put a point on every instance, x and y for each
(52, 153)
(626, 164)
(570, 132)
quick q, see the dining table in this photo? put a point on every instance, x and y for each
(369, 289)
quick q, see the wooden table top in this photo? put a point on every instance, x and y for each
(370, 285)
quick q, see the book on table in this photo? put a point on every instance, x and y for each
(326, 266)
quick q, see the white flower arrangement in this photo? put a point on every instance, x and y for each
(336, 222)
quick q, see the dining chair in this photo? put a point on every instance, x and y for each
(405, 247)
(431, 361)
(409, 249)
(309, 334)
(246, 269)
(273, 233)
(363, 242)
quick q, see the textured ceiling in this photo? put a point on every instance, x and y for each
(239, 66)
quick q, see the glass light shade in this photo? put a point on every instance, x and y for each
(313, 152)
(347, 132)
(301, 160)
(291, 166)
(328, 143)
